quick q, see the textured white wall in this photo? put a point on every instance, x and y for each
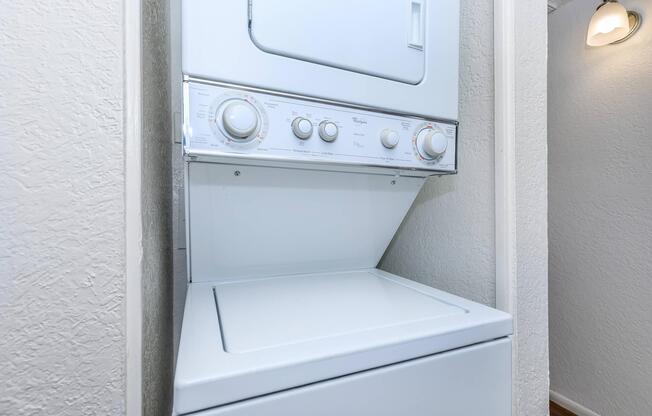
(447, 239)
(62, 282)
(600, 160)
(530, 297)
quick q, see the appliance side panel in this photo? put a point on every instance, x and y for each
(439, 385)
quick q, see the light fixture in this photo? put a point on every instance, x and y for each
(612, 23)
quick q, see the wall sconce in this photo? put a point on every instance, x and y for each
(612, 23)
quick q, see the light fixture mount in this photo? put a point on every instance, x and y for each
(634, 24)
(612, 23)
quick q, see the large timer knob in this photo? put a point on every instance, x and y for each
(435, 144)
(432, 144)
(240, 119)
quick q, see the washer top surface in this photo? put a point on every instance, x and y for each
(275, 312)
(245, 338)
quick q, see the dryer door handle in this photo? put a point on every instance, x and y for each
(417, 24)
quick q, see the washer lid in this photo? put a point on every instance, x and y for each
(358, 36)
(247, 338)
(278, 312)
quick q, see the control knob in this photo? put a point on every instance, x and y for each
(431, 143)
(328, 131)
(240, 119)
(302, 128)
(389, 138)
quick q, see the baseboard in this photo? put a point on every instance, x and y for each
(567, 403)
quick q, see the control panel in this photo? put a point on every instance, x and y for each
(261, 125)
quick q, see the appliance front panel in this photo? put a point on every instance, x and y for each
(247, 221)
(386, 42)
(207, 375)
(275, 126)
(470, 381)
(353, 52)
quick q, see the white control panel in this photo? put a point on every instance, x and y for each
(228, 122)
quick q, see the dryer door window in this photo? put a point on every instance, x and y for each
(355, 35)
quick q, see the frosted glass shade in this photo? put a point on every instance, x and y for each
(609, 23)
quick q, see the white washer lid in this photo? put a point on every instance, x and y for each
(283, 311)
(272, 334)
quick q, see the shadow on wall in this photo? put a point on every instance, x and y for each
(157, 211)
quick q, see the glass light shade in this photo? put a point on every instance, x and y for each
(609, 23)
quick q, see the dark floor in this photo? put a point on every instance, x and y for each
(557, 410)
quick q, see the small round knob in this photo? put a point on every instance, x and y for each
(328, 131)
(389, 138)
(435, 144)
(302, 128)
(240, 119)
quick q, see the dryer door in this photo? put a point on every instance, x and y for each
(358, 36)
(393, 55)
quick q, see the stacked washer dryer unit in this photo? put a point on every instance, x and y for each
(310, 127)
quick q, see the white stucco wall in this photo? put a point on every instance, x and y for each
(530, 233)
(600, 160)
(62, 248)
(447, 239)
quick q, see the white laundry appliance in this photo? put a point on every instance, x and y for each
(309, 129)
